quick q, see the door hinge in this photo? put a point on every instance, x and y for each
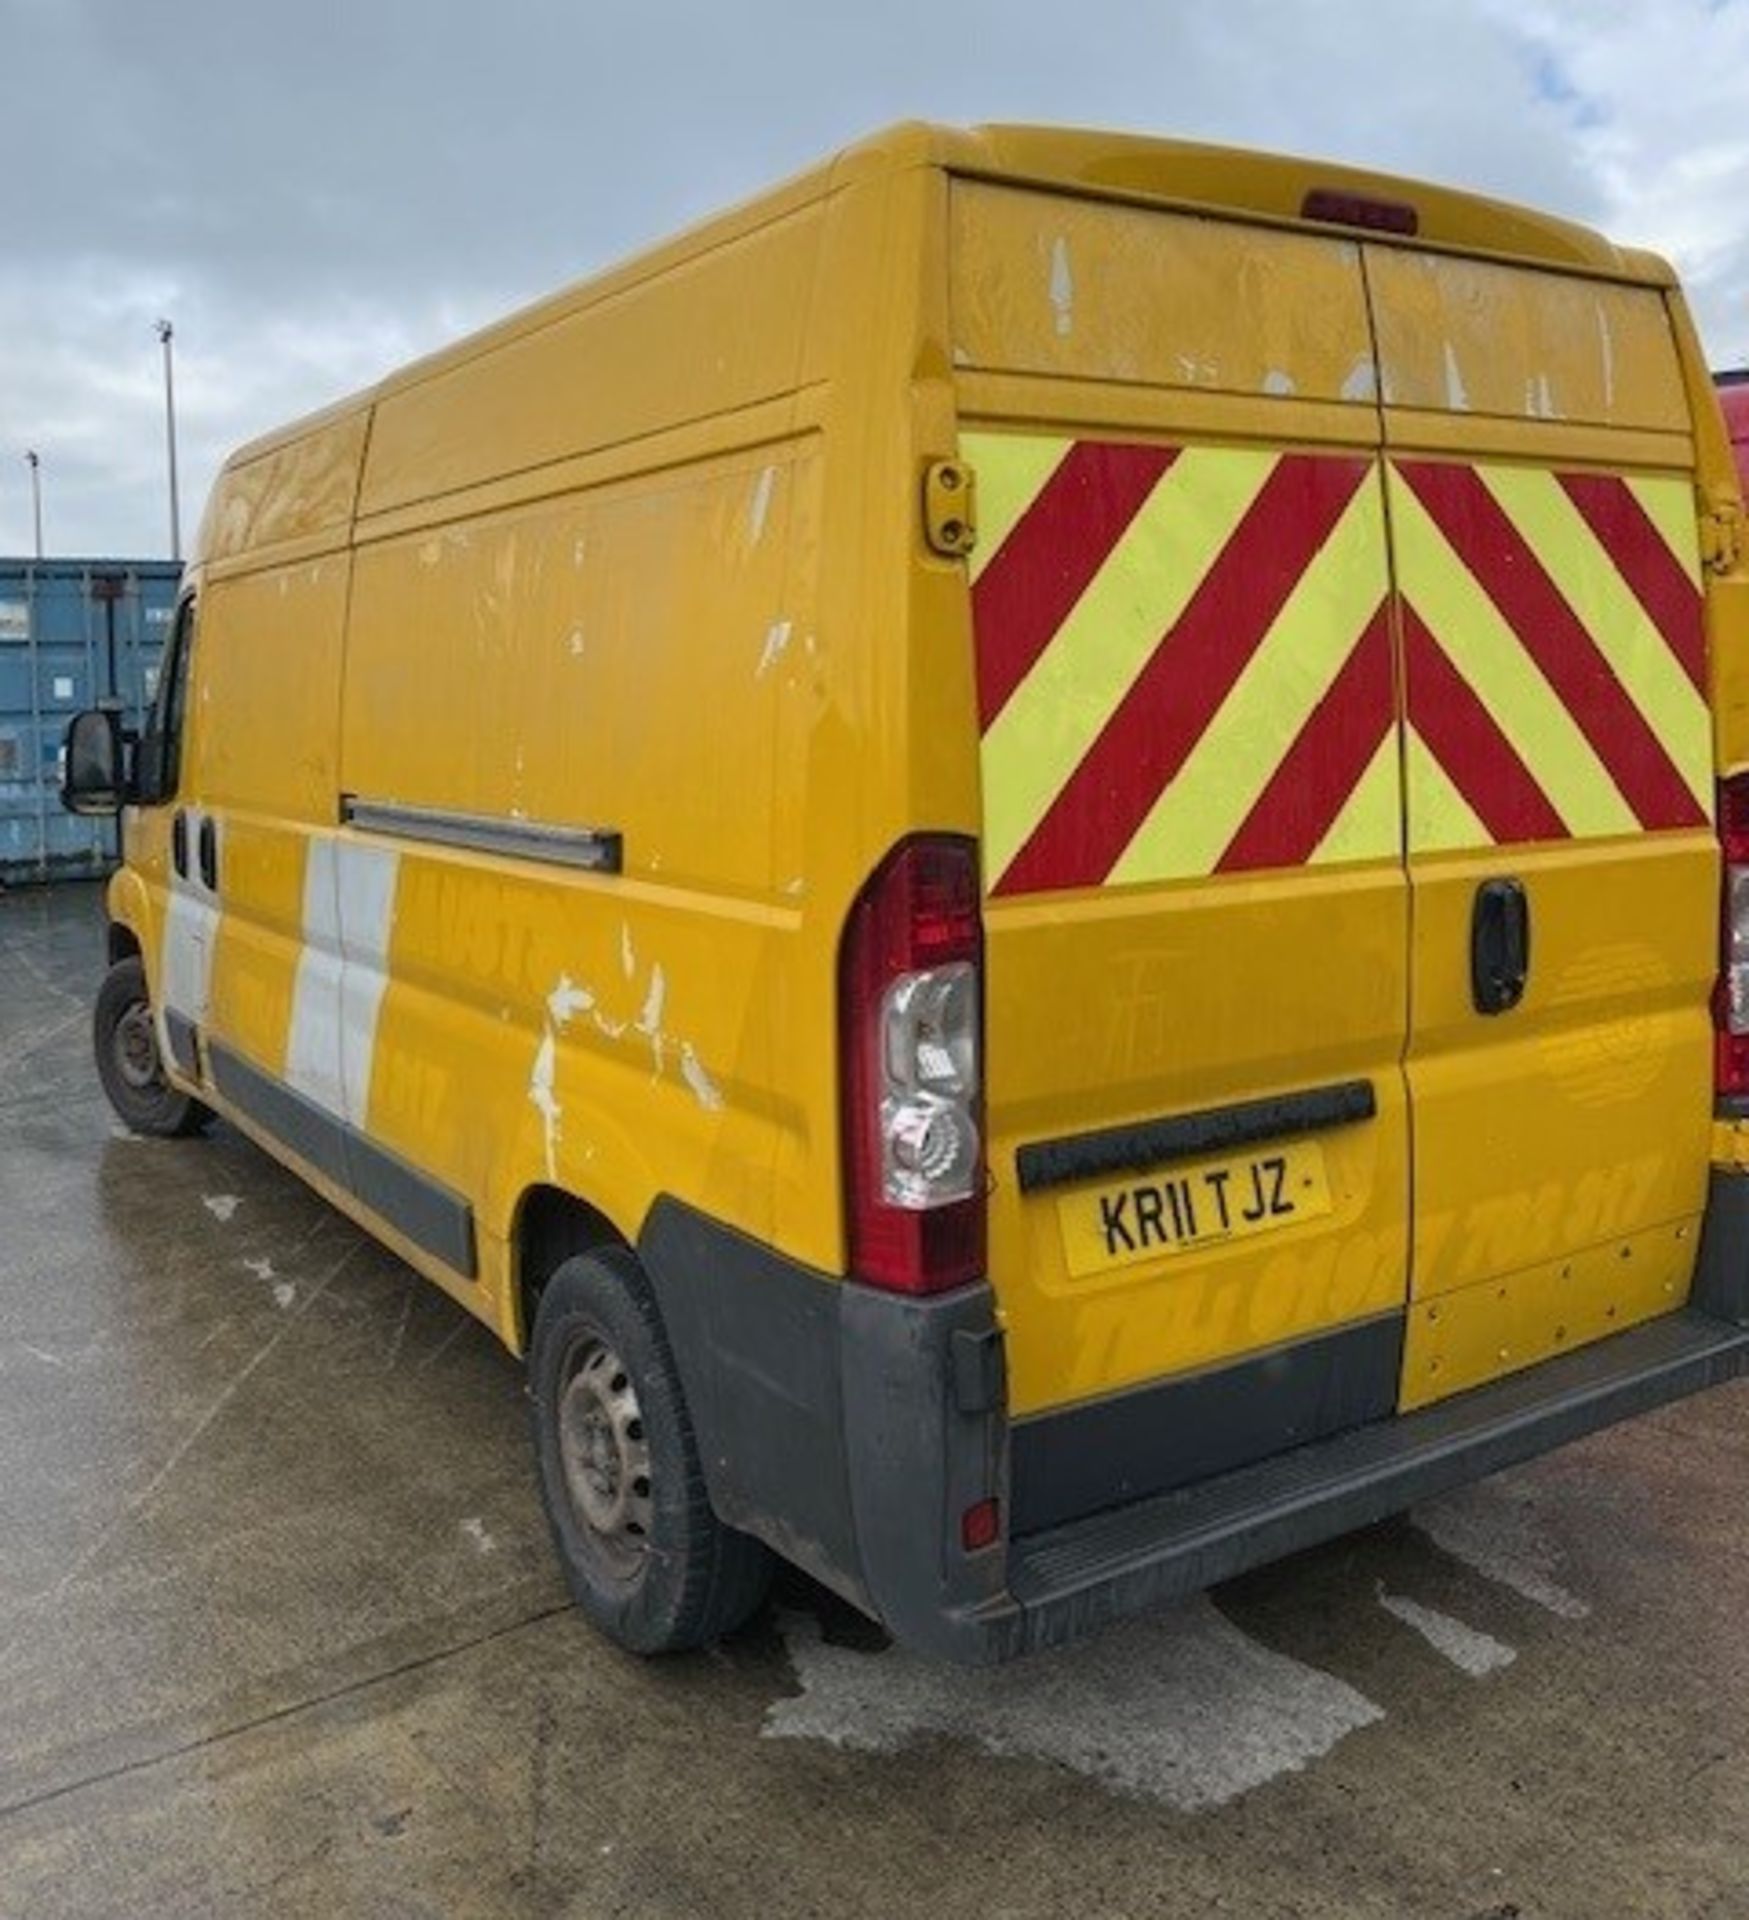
(950, 507)
(1721, 536)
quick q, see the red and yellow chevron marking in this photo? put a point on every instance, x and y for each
(1554, 658)
(1184, 661)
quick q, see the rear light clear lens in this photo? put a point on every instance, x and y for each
(929, 1062)
(1731, 997)
(911, 1012)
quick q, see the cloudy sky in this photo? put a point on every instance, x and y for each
(316, 192)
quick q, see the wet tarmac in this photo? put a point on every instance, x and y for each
(280, 1632)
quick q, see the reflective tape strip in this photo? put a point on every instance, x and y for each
(1052, 719)
(1182, 664)
(342, 973)
(1564, 607)
(1284, 748)
(1202, 660)
(1556, 642)
(1476, 646)
(1660, 670)
(1066, 534)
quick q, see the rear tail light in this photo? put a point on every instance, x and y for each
(911, 1040)
(1731, 996)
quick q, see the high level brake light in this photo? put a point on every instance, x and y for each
(1731, 996)
(911, 1037)
(1341, 209)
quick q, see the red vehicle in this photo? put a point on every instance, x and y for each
(1734, 397)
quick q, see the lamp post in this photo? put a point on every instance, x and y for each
(36, 497)
(167, 333)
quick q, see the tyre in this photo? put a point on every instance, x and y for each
(129, 1063)
(644, 1555)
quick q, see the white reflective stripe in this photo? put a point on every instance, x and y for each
(366, 881)
(191, 930)
(349, 901)
(312, 1053)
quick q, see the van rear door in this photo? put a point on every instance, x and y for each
(1559, 767)
(1196, 902)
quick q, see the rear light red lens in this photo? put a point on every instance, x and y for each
(918, 915)
(1731, 995)
(980, 1525)
(1359, 210)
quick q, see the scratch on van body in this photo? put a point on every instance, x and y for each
(628, 958)
(650, 1020)
(564, 1002)
(705, 1089)
(1606, 347)
(1539, 399)
(1278, 381)
(1062, 286)
(1456, 393)
(546, 1103)
(1362, 382)
(776, 639)
(575, 643)
(761, 504)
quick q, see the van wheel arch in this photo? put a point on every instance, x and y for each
(551, 1226)
(123, 943)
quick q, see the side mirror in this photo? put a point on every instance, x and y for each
(95, 780)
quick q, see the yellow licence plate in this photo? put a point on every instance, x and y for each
(1193, 1204)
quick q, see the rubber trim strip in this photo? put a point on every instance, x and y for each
(594, 849)
(1151, 1143)
(428, 1213)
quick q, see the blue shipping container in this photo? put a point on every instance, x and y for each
(56, 656)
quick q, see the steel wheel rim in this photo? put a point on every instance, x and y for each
(605, 1454)
(135, 1049)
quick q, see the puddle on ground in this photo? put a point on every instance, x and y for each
(1495, 1529)
(1180, 1707)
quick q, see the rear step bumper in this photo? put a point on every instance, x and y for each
(1073, 1579)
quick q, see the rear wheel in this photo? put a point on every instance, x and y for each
(129, 1063)
(644, 1556)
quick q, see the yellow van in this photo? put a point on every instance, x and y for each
(1018, 854)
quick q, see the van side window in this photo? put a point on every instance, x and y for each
(160, 761)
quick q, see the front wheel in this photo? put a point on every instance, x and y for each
(129, 1063)
(643, 1554)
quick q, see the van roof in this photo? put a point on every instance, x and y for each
(1182, 174)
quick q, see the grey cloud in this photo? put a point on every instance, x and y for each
(316, 193)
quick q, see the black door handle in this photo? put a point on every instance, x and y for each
(209, 854)
(179, 843)
(1499, 946)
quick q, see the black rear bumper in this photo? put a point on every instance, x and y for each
(851, 1429)
(1081, 1576)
